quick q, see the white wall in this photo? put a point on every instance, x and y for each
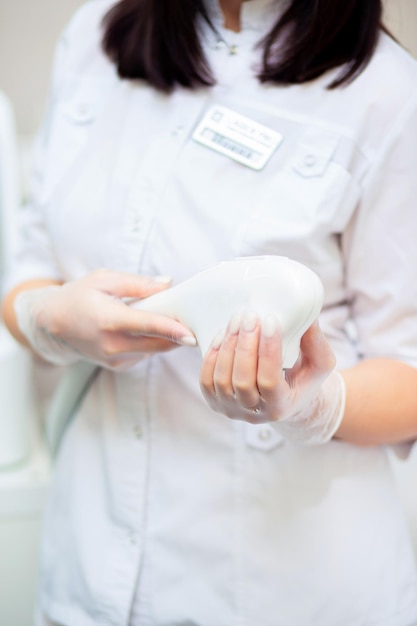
(401, 17)
(28, 33)
(29, 29)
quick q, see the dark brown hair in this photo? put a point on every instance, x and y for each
(159, 41)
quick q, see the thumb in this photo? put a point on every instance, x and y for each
(316, 351)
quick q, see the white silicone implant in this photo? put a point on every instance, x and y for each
(263, 284)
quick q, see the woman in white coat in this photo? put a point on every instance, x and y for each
(235, 496)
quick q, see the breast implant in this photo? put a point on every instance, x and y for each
(276, 285)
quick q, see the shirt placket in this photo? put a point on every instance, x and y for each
(151, 178)
(132, 390)
(131, 476)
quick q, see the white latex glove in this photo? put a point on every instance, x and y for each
(88, 319)
(242, 378)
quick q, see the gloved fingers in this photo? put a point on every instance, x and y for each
(229, 372)
(114, 316)
(270, 395)
(217, 370)
(123, 344)
(223, 368)
(242, 378)
(87, 315)
(77, 320)
(245, 364)
(125, 285)
(207, 371)
(317, 357)
(270, 381)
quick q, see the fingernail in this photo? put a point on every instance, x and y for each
(269, 325)
(217, 341)
(162, 279)
(188, 340)
(234, 325)
(249, 320)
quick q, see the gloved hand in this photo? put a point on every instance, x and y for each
(88, 319)
(242, 377)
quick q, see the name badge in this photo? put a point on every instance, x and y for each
(237, 137)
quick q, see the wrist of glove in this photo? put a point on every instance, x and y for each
(318, 421)
(28, 307)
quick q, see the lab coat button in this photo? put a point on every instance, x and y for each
(83, 109)
(81, 112)
(265, 434)
(310, 160)
(132, 537)
(262, 436)
(138, 432)
(220, 44)
(178, 130)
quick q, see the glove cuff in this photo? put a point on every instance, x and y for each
(28, 308)
(319, 421)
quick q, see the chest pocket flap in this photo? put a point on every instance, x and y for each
(314, 153)
(311, 196)
(69, 127)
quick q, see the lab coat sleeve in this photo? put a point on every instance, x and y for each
(77, 49)
(380, 247)
(34, 256)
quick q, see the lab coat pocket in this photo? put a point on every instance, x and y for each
(312, 195)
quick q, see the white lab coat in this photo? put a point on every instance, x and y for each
(163, 512)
